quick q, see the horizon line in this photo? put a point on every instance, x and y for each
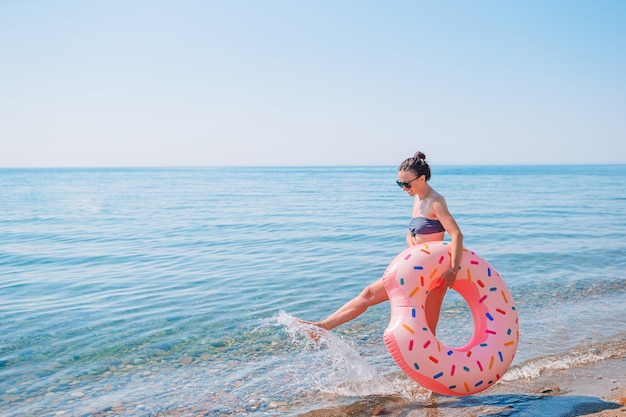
(302, 166)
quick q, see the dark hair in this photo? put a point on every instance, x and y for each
(416, 164)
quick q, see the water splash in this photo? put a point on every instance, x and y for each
(335, 367)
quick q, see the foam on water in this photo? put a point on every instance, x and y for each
(576, 357)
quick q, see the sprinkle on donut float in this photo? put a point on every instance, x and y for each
(447, 370)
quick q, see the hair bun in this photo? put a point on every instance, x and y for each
(417, 164)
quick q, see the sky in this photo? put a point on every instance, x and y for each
(138, 83)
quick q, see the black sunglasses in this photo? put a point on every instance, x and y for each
(405, 184)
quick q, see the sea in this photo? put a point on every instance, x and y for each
(176, 291)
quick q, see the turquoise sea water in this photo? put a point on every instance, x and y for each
(145, 292)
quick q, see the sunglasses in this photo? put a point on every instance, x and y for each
(405, 184)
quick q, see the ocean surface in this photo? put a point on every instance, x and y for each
(147, 292)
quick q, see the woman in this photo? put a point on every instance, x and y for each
(430, 220)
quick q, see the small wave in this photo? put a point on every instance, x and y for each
(574, 358)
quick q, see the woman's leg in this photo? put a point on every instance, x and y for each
(373, 294)
(432, 306)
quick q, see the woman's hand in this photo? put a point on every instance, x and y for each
(447, 279)
(410, 240)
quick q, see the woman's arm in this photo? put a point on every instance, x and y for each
(452, 228)
(410, 240)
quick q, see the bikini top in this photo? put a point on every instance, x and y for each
(424, 226)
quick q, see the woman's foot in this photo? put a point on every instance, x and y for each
(313, 329)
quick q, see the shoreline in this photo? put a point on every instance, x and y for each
(594, 390)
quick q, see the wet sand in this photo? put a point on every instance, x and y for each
(597, 390)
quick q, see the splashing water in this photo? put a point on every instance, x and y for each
(335, 368)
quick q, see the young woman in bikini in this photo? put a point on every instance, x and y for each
(430, 220)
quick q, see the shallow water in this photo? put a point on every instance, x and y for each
(142, 291)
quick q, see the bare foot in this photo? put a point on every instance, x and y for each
(313, 329)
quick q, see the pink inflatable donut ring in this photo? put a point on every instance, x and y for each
(447, 370)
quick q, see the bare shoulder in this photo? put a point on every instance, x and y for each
(437, 199)
(439, 205)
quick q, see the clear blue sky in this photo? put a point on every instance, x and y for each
(362, 82)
